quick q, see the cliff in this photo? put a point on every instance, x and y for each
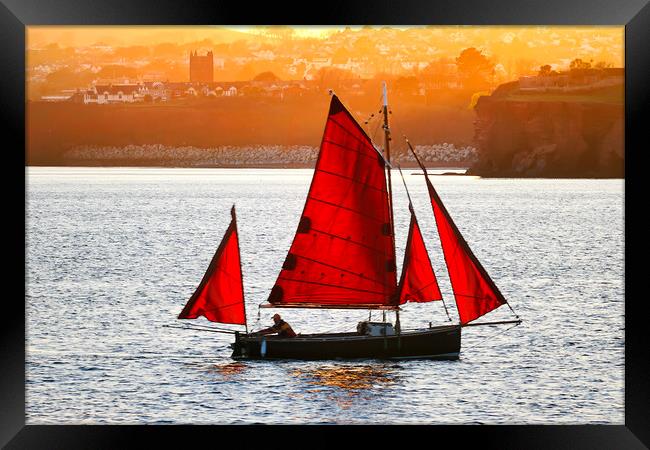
(541, 134)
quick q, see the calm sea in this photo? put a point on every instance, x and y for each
(113, 254)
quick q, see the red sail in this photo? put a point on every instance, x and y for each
(343, 253)
(474, 291)
(220, 295)
(418, 283)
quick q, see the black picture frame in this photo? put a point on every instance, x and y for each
(15, 15)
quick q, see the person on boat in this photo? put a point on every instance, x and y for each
(282, 328)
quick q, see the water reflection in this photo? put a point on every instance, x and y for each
(229, 370)
(346, 384)
(350, 378)
(187, 377)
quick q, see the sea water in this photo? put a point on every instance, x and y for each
(113, 254)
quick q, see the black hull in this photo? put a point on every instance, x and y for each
(433, 343)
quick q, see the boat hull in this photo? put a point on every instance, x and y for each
(433, 343)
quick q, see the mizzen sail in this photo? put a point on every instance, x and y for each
(474, 291)
(343, 253)
(220, 295)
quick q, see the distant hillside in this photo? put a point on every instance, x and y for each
(56, 129)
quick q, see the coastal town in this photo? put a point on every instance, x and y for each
(277, 63)
(267, 84)
(247, 98)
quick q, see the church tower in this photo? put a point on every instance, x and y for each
(201, 68)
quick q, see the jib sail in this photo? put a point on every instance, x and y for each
(418, 282)
(474, 291)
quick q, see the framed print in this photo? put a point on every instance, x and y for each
(239, 216)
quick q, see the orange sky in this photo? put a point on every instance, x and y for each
(71, 57)
(599, 43)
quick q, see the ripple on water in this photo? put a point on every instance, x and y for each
(112, 256)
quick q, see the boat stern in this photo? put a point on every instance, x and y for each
(245, 347)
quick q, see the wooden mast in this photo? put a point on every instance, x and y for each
(390, 186)
(387, 147)
(241, 279)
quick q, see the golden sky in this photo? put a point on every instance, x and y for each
(66, 57)
(604, 42)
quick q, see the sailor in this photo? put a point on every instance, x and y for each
(282, 328)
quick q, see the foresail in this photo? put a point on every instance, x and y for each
(474, 291)
(343, 252)
(418, 282)
(220, 295)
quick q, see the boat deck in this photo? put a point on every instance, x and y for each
(442, 342)
(351, 334)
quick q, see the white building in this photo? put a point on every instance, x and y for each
(117, 93)
(230, 92)
(156, 90)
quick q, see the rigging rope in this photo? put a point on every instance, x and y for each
(259, 312)
(496, 334)
(373, 136)
(513, 311)
(377, 118)
(400, 146)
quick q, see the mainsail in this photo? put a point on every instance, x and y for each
(418, 282)
(343, 253)
(474, 291)
(220, 295)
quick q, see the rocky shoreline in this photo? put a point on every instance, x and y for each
(296, 156)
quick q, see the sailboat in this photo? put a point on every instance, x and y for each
(343, 257)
